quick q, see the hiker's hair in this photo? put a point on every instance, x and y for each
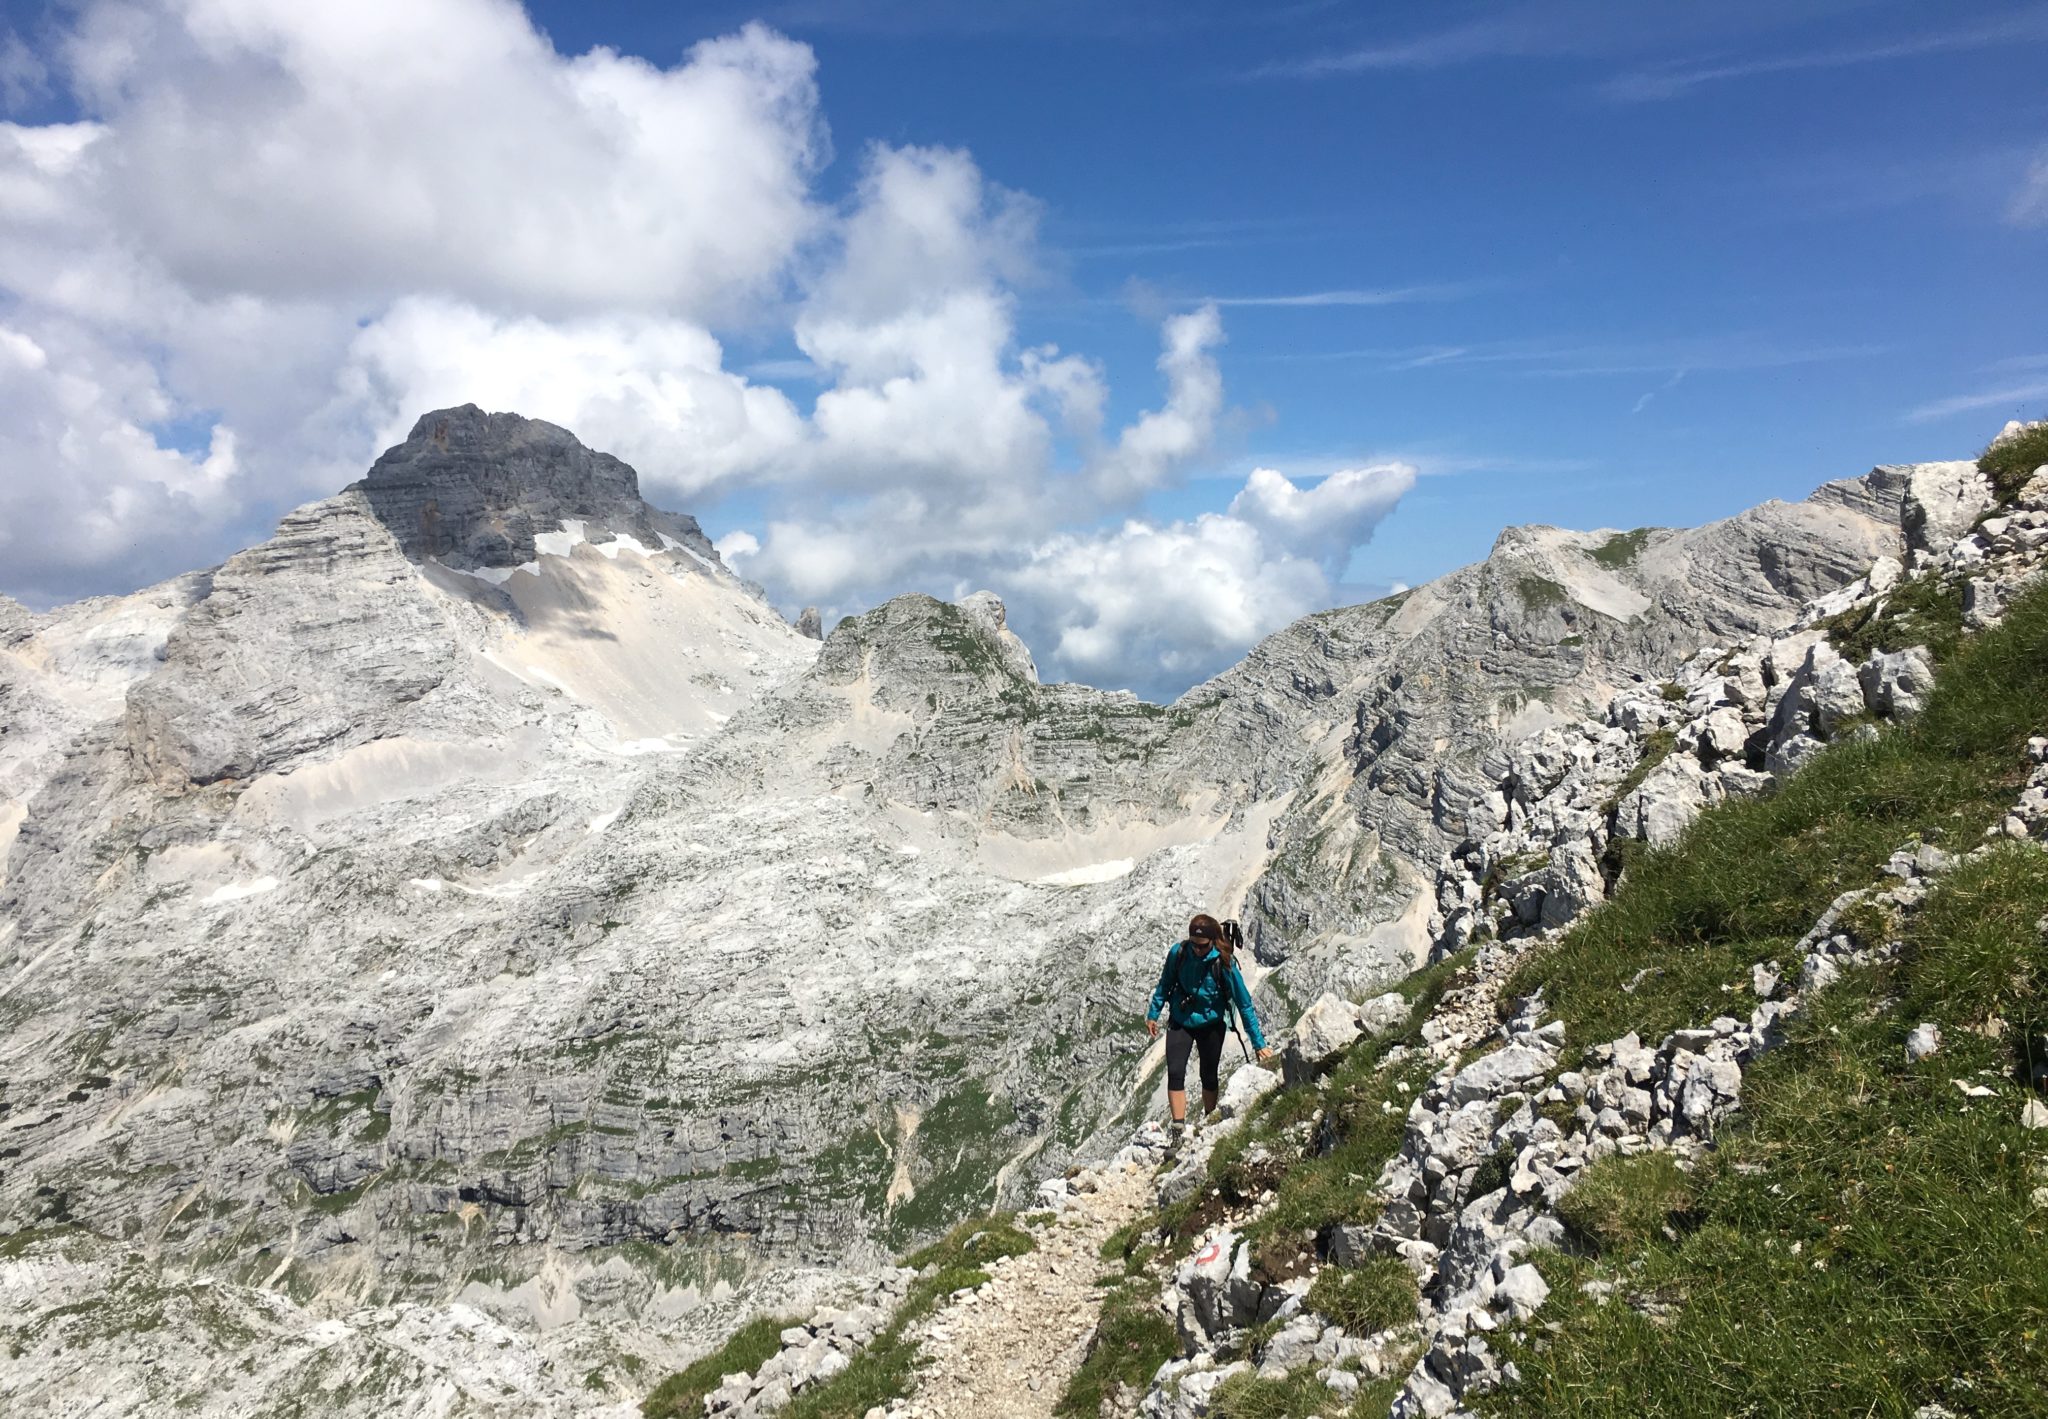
(1205, 928)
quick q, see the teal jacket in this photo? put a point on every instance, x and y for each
(1189, 984)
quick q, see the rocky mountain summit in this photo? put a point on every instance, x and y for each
(474, 914)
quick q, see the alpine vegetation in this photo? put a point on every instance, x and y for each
(468, 953)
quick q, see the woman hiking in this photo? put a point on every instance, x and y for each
(1201, 983)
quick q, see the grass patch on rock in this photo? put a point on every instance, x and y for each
(1658, 745)
(2010, 462)
(1622, 549)
(1751, 876)
(1923, 611)
(1299, 1395)
(1367, 1299)
(1625, 1202)
(1865, 1238)
(1131, 1341)
(681, 1395)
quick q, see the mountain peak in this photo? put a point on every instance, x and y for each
(473, 489)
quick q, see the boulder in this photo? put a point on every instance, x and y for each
(1836, 689)
(1896, 683)
(1324, 1031)
(1660, 811)
(1293, 1347)
(1523, 1291)
(1348, 1243)
(1922, 1042)
(1383, 1013)
(1245, 1087)
(1506, 1070)
(1722, 734)
(1942, 500)
(1216, 1292)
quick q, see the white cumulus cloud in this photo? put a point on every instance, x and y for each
(1326, 521)
(291, 150)
(274, 233)
(652, 390)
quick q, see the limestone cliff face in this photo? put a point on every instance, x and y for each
(475, 891)
(1405, 704)
(473, 490)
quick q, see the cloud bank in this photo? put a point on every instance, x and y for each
(278, 232)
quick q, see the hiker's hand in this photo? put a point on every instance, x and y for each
(1151, 1029)
(1265, 1054)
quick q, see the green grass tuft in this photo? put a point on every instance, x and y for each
(1132, 1340)
(1622, 549)
(681, 1395)
(2009, 463)
(1299, 1396)
(1658, 745)
(1366, 1299)
(1624, 1202)
(1923, 611)
(1540, 593)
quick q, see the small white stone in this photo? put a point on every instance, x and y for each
(1922, 1042)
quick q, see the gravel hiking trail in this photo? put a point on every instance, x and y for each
(1007, 1349)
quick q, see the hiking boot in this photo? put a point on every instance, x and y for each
(1176, 1135)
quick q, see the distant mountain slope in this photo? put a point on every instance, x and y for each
(475, 891)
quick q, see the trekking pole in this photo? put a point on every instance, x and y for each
(1235, 934)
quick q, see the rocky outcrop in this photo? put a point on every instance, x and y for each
(1500, 1134)
(478, 492)
(811, 1354)
(474, 891)
(1413, 702)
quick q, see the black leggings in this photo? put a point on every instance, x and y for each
(1179, 1042)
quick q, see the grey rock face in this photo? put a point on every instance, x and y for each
(476, 892)
(1896, 683)
(1941, 501)
(473, 490)
(1429, 688)
(1325, 1030)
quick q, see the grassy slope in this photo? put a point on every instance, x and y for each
(880, 1372)
(1864, 1240)
(1752, 876)
(1932, 1259)
(1363, 1110)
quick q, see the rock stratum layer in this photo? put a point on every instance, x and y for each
(475, 908)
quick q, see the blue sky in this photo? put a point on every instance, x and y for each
(1585, 264)
(1632, 308)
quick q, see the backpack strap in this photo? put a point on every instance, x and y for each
(1175, 963)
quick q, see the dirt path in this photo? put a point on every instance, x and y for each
(1007, 1350)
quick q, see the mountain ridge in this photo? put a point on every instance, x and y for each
(467, 931)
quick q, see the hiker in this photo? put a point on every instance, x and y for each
(1201, 983)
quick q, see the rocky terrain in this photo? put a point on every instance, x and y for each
(463, 953)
